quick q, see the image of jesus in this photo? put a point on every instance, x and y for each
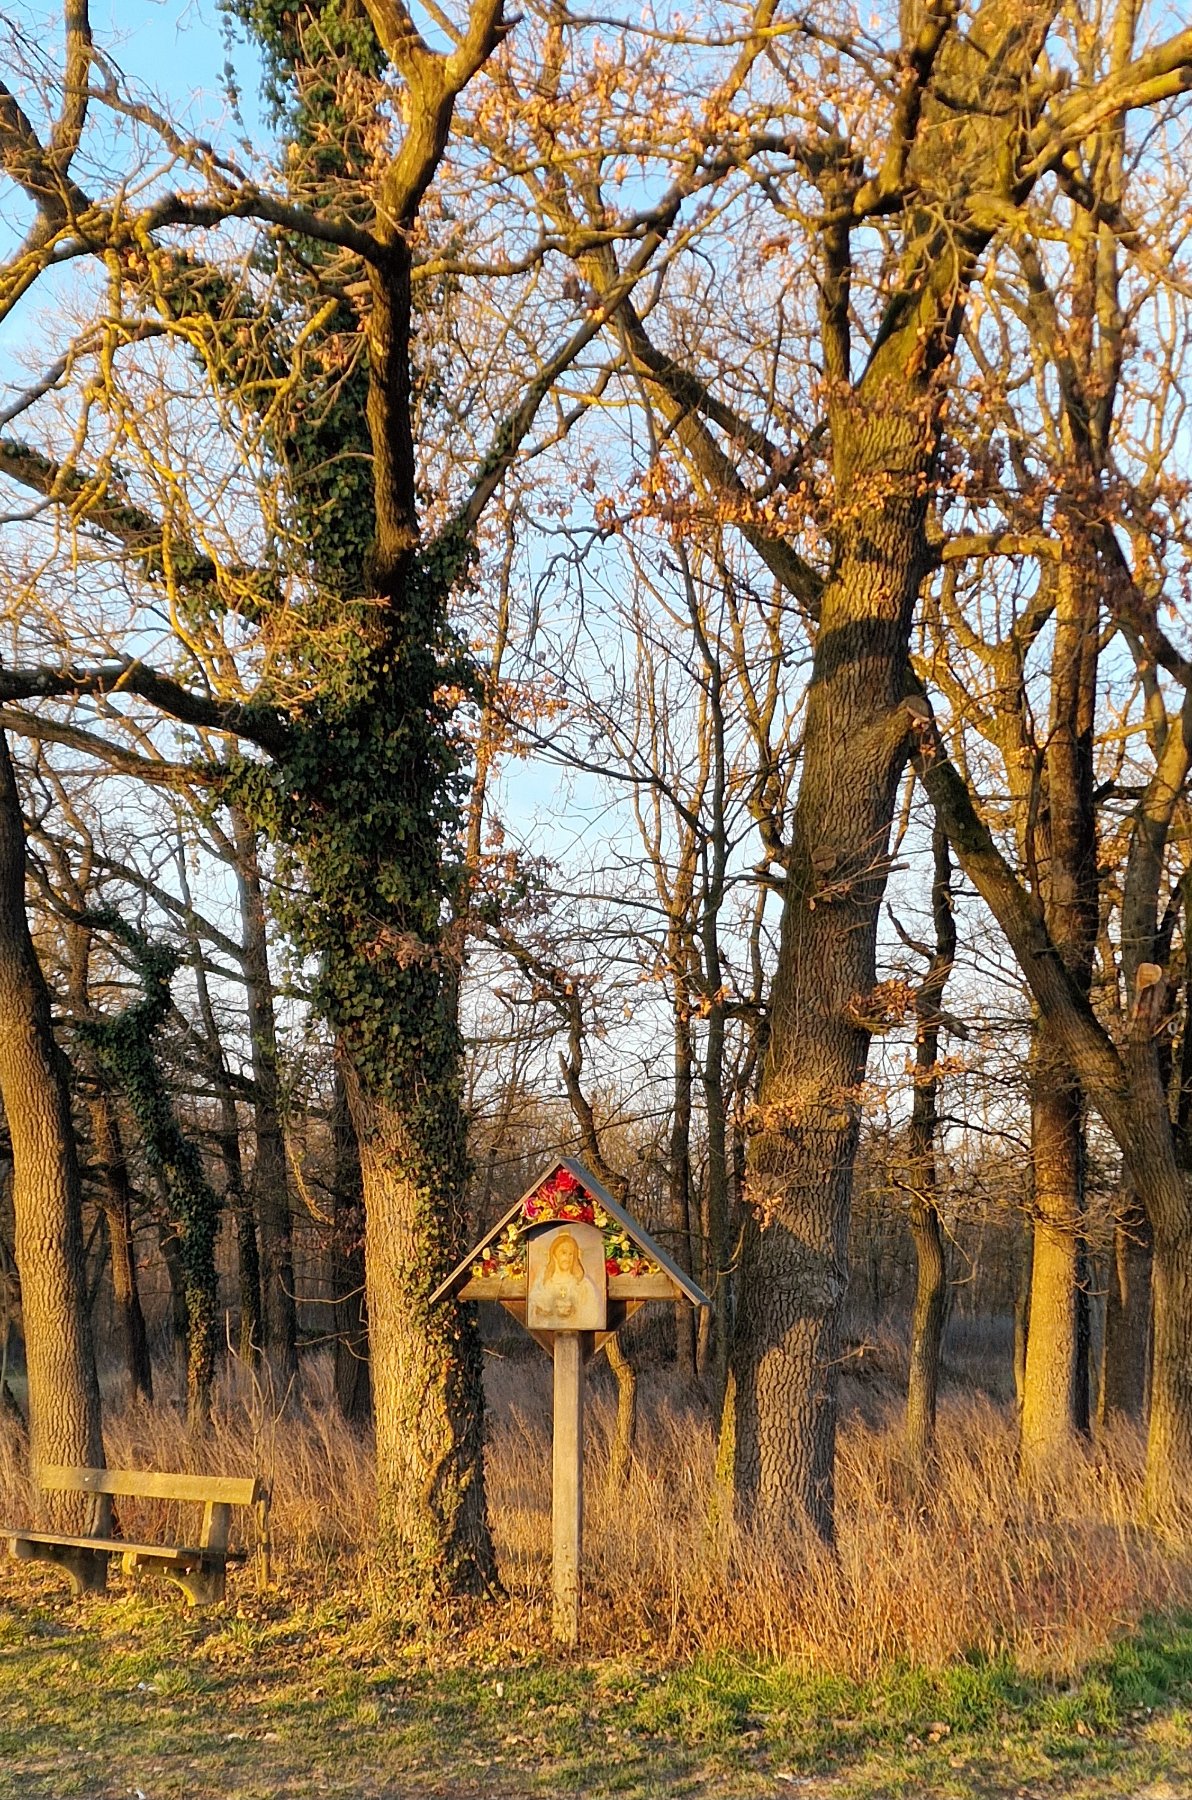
(563, 1296)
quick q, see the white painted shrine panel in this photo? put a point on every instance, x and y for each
(567, 1279)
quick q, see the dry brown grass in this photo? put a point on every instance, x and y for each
(971, 1567)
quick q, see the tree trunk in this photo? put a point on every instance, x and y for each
(248, 1258)
(168, 1241)
(620, 1450)
(927, 1331)
(426, 1370)
(248, 1265)
(1169, 1438)
(64, 1406)
(883, 436)
(792, 1281)
(353, 1386)
(1055, 1411)
(931, 1290)
(1022, 1310)
(1082, 1416)
(116, 1201)
(1126, 1351)
(1128, 1089)
(269, 1191)
(1050, 1402)
(679, 1170)
(373, 847)
(717, 1256)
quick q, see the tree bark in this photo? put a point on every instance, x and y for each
(1050, 1404)
(679, 1167)
(425, 1362)
(248, 1256)
(792, 1279)
(116, 1201)
(715, 1264)
(931, 1289)
(248, 1263)
(620, 1450)
(168, 1239)
(1125, 1354)
(353, 1384)
(64, 1405)
(927, 1332)
(1169, 1437)
(390, 997)
(1022, 1309)
(269, 1190)
(1055, 1412)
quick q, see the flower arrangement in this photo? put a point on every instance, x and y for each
(564, 1198)
(561, 1196)
(505, 1256)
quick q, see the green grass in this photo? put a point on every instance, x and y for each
(111, 1697)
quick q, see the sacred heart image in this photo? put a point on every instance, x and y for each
(568, 1283)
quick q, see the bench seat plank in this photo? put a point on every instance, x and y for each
(175, 1553)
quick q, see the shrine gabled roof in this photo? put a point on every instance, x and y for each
(597, 1191)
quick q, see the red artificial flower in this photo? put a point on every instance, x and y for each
(612, 1266)
(561, 1196)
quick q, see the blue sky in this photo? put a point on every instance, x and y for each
(178, 49)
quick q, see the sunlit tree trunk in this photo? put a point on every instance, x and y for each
(1052, 1366)
(1055, 1409)
(64, 1407)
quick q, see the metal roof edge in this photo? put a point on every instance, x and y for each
(638, 1232)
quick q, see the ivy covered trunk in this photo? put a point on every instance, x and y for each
(425, 1361)
(64, 1407)
(405, 1080)
(382, 756)
(353, 1384)
(116, 1201)
(124, 1051)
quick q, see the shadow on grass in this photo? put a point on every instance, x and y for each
(94, 1698)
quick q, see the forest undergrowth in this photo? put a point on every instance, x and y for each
(961, 1565)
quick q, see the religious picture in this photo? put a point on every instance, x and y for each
(568, 1287)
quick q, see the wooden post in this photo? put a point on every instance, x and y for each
(567, 1491)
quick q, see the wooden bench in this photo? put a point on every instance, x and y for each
(199, 1570)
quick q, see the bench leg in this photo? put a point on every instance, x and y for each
(87, 1570)
(202, 1587)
